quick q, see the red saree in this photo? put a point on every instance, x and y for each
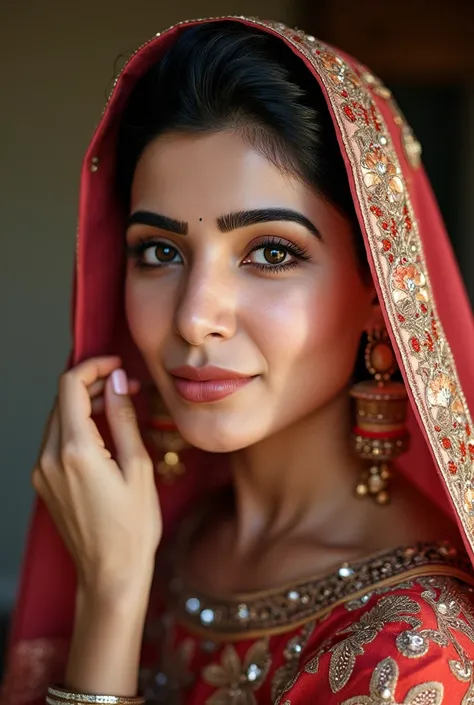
(395, 628)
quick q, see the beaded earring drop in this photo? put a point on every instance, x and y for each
(380, 434)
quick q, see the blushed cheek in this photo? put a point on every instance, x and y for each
(309, 336)
(291, 324)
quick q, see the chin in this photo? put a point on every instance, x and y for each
(222, 436)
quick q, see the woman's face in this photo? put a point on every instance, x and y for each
(237, 266)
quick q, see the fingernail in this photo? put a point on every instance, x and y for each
(119, 382)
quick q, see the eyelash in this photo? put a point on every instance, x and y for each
(137, 251)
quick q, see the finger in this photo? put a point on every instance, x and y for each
(96, 388)
(131, 452)
(97, 397)
(98, 403)
(74, 399)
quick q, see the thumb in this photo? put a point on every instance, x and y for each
(122, 418)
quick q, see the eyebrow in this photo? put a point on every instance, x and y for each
(156, 220)
(242, 219)
(227, 223)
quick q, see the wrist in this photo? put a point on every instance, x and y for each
(125, 595)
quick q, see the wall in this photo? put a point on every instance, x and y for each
(466, 248)
(58, 61)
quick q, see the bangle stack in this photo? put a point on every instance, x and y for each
(60, 696)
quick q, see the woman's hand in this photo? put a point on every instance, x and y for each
(106, 510)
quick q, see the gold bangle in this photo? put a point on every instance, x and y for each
(60, 696)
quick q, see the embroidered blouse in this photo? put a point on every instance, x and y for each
(395, 628)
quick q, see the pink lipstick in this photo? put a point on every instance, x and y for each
(207, 384)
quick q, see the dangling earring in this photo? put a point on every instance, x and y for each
(380, 434)
(166, 438)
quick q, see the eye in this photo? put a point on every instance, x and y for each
(275, 255)
(151, 253)
(160, 253)
(271, 255)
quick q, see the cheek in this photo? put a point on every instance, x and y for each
(149, 311)
(314, 318)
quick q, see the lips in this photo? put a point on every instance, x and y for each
(207, 384)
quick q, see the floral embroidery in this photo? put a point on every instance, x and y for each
(409, 278)
(393, 608)
(285, 676)
(362, 601)
(388, 609)
(384, 683)
(455, 614)
(381, 175)
(237, 680)
(441, 391)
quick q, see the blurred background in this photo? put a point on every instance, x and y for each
(58, 62)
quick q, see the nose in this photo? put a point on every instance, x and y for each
(207, 304)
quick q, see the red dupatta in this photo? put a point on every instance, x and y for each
(420, 289)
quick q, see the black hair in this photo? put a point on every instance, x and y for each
(225, 75)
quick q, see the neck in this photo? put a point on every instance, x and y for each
(299, 481)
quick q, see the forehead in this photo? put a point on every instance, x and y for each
(218, 170)
(203, 177)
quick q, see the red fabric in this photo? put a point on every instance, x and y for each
(46, 599)
(339, 654)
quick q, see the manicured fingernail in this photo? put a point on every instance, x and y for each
(119, 382)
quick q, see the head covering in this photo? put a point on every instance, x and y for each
(425, 306)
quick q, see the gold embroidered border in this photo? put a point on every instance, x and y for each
(426, 571)
(274, 611)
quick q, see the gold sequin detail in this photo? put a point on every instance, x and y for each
(455, 616)
(285, 677)
(277, 610)
(383, 685)
(393, 608)
(238, 680)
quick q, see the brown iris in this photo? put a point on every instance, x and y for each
(165, 253)
(274, 255)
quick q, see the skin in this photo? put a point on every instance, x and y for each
(286, 433)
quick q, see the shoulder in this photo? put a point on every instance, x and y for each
(412, 643)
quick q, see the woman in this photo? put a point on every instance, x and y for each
(258, 241)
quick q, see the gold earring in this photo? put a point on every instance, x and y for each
(166, 438)
(380, 434)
